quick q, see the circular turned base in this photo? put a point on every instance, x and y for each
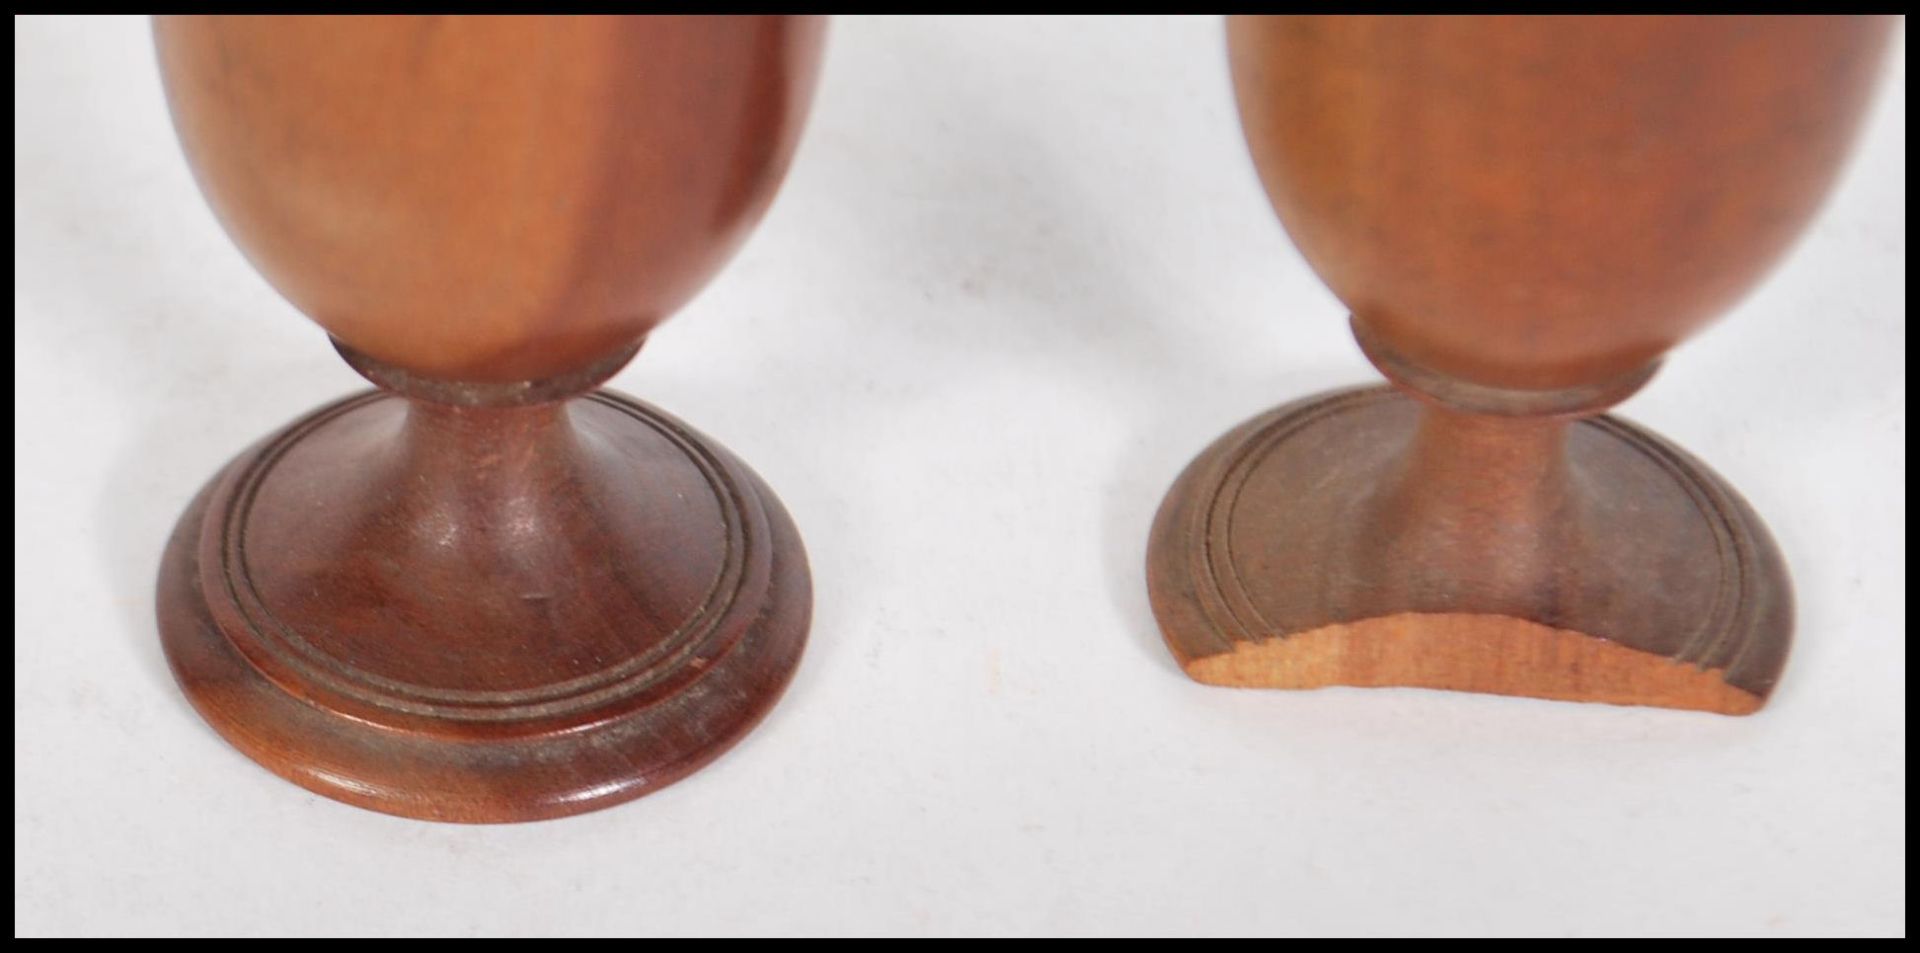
(484, 615)
(1287, 555)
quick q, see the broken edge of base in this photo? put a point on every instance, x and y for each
(1470, 652)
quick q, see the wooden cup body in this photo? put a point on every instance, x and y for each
(1547, 202)
(489, 199)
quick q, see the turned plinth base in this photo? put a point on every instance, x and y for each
(1363, 538)
(484, 613)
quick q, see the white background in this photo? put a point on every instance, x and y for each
(1021, 272)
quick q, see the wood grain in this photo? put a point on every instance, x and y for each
(489, 198)
(1542, 202)
(1523, 214)
(1492, 654)
(488, 593)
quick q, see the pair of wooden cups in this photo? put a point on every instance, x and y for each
(489, 592)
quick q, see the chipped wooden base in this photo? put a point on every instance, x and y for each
(484, 614)
(1464, 652)
(1329, 542)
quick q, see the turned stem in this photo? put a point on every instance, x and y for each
(496, 441)
(1477, 478)
(500, 450)
(1478, 510)
(478, 482)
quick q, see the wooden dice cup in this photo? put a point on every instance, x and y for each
(1583, 560)
(484, 614)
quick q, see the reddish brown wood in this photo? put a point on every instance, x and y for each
(489, 198)
(471, 598)
(1524, 214)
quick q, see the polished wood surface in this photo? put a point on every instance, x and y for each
(484, 615)
(1360, 538)
(1523, 215)
(489, 592)
(489, 198)
(1543, 202)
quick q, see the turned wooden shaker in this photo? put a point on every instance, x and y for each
(487, 591)
(1523, 215)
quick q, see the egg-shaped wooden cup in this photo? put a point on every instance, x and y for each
(486, 591)
(1523, 214)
